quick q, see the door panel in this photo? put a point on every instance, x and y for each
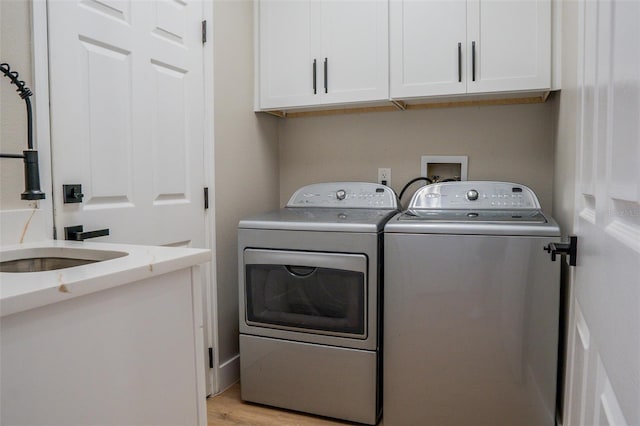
(170, 132)
(424, 37)
(607, 410)
(606, 285)
(623, 153)
(588, 145)
(116, 9)
(287, 51)
(296, 36)
(170, 20)
(521, 61)
(106, 78)
(579, 346)
(127, 121)
(354, 40)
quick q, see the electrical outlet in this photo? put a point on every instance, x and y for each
(384, 176)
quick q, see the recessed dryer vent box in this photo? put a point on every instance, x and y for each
(444, 166)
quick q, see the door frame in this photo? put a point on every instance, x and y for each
(40, 61)
(210, 217)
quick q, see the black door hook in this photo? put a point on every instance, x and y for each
(564, 249)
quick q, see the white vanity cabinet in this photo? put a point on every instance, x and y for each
(321, 52)
(453, 47)
(114, 342)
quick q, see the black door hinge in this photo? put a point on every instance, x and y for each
(204, 32)
(210, 357)
(206, 198)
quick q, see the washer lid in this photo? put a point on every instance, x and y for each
(464, 222)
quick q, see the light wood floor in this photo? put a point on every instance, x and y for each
(227, 409)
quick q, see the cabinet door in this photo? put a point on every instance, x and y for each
(512, 40)
(287, 43)
(427, 47)
(354, 40)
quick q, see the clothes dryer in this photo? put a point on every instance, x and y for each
(310, 293)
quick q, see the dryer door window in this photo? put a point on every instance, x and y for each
(323, 293)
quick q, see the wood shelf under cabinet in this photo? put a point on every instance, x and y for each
(407, 105)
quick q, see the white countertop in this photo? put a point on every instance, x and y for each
(28, 290)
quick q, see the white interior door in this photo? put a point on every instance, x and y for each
(127, 120)
(603, 386)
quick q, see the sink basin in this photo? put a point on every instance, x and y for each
(52, 258)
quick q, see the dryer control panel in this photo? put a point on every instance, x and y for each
(348, 195)
(475, 195)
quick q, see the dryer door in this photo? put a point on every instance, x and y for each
(310, 292)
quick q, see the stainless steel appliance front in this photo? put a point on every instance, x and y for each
(471, 309)
(310, 283)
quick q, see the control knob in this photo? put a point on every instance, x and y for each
(472, 195)
(341, 194)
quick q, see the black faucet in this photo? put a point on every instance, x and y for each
(30, 156)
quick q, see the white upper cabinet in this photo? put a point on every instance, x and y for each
(286, 52)
(452, 47)
(321, 52)
(354, 45)
(512, 40)
(428, 44)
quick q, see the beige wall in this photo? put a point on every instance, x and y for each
(246, 155)
(15, 49)
(511, 143)
(261, 159)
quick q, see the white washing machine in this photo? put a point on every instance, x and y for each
(471, 308)
(310, 283)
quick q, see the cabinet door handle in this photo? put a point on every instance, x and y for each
(459, 62)
(315, 89)
(473, 61)
(326, 75)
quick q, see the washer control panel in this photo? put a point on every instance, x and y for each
(350, 195)
(475, 195)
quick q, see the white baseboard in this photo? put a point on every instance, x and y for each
(228, 373)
